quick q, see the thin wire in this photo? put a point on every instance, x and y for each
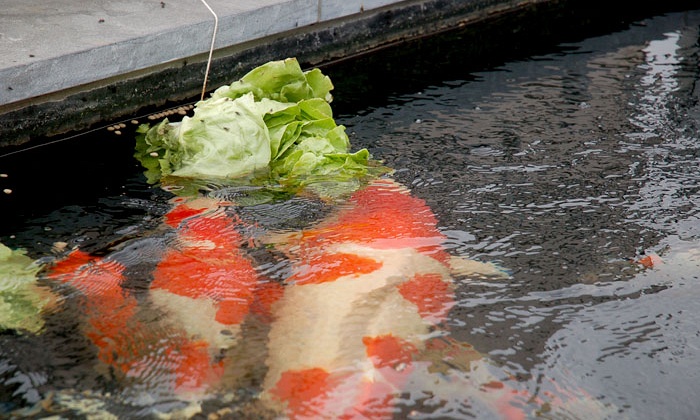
(26, 149)
(211, 49)
(82, 133)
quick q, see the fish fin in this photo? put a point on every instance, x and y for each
(465, 266)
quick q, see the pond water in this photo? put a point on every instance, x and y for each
(570, 176)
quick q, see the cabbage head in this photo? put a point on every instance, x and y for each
(275, 125)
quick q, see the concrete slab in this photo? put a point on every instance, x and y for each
(67, 64)
(50, 46)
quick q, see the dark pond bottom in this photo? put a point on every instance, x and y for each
(574, 168)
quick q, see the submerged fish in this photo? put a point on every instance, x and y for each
(361, 311)
(359, 321)
(107, 309)
(201, 290)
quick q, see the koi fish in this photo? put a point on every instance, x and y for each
(108, 309)
(368, 289)
(205, 281)
(357, 321)
(651, 260)
(202, 285)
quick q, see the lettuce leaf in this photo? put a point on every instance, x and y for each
(283, 81)
(274, 125)
(21, 298)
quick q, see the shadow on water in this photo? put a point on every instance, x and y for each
(571, 161)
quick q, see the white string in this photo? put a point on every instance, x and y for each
(211, 49)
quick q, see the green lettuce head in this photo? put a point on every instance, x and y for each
(274, 127)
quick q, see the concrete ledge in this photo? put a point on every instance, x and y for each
(64, 43)
(67, 65)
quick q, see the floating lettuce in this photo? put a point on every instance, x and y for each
(21, 299)
(274, 124)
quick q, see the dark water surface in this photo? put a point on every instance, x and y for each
(566, 168)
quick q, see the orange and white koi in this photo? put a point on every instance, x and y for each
(368, 288)
(203, 284)
(205, 280)
(356, 323)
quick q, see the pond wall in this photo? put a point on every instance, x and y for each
(68, 65)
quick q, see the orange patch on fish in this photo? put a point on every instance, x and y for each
(510, 405)
(494, 385)
(229, 281)
(90, 275)
(180, 213)
(233, 312)
(329, 267)
(430, 293)
(194, 367)
(304, 391)
(218, 230)
(392, 357)
(69, 265)
(389, 351)
(209, 264)
(383, 216)
(375, 401)
(109, 329)
(102, 278)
